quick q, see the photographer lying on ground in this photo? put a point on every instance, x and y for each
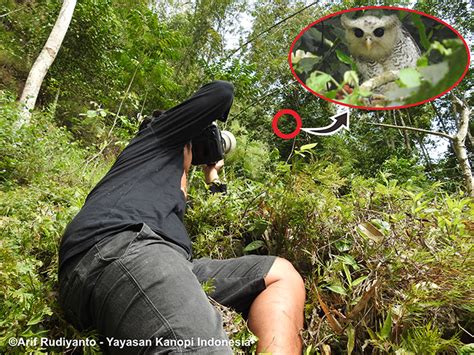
(125, 260)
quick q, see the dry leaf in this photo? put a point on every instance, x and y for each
(363, 301)
(333, 323)
(325, 349)
(370, 231)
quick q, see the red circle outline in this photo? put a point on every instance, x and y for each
(297, 118)
(388, 8)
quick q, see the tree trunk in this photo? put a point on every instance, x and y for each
(43, 62)
(459, 143)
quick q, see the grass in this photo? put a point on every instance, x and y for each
(387, 263)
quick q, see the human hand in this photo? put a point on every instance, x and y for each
(211, 171)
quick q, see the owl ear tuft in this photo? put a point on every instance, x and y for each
(392, 21)
(346, 22)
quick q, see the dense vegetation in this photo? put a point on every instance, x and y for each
(320, 59)
(377, 220)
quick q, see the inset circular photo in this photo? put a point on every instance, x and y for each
(379, 58)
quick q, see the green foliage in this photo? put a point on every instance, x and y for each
(428, 340)
(251, 158)
(43, 187)
(327, 69)
(345, 233)
(35, 152)
(385, 247)
(404, 170)
(428, 81)
(404, 236)
(108, 47)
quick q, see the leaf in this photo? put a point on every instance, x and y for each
(40, 316)
(386, 330)
(350, 332)
(325, 349)
(435, 73)
(338, 289)
(421, 31)
(359, 280)
(331, 94)
(333, 323)
(467, 349)
(343, 245)
(422, 62)
(366, 229)
(300, 55)
(91, 113)
(36, 319)
(309, 350)
(348, 260)
(381, 225)
(256, 244)
(343, 57)
(371, 334)
(442, 49)
(351, 78)
(308, 146)
(410, 77)
(318, 82)
(315, 34)
(363, 301)
(348, 274)
(306, 65)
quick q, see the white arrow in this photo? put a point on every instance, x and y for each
(339, 121)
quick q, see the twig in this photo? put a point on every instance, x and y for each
(471, 335)
(321, 342)
(251, 201)
(123, 100)
(292, 150)
(115, 121)
(269, 29)
(259, 99)
(414, 129)
(143, 104)
(13, 11)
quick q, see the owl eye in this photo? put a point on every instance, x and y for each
(358, 32)
(378, 32)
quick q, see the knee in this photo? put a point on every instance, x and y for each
(283, 271)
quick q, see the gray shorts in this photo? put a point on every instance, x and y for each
(143, 294)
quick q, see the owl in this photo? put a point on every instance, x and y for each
(379, 44)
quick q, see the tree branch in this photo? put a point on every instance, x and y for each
(382, 79)
(414, 129)
(459, 142)
(464, 119)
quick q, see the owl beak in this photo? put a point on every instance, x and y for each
(368, 43)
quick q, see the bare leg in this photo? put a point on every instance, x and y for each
(276, 315)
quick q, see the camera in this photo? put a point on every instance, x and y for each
(211, 145)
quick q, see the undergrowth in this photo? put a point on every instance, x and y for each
(387, 261)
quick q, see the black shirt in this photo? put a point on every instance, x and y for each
(144, 184)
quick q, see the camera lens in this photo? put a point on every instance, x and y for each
(229, 143)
